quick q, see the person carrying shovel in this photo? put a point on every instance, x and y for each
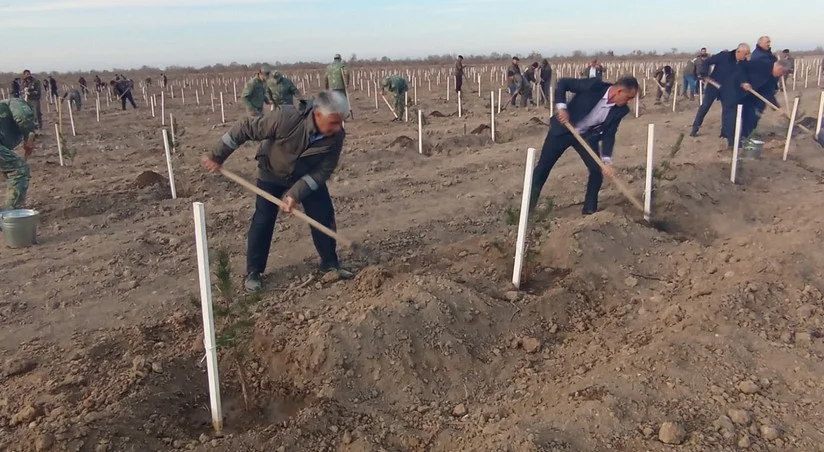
(299, 151)
(398, 86)
(665, 79)
(17, 125)
(123, 90)
(595, 113)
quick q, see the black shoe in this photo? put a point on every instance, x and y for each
(342, 273)
(588, 211)
(694, 133)
(253, 283)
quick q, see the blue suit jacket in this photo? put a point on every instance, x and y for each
(588, 92)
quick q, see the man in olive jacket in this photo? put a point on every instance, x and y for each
(299, 150)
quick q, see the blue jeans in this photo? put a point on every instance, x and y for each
(318, 205)
(691, 82)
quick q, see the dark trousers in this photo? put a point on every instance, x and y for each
(318, 205)
(711, 94)
(458, 82)
(554, 148)
(125, 97)
(729, 111)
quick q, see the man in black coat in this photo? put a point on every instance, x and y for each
(595, 111)
(761, 75)
(726, 63)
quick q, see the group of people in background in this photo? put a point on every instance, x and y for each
(271, 87)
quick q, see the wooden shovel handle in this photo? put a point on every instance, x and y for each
(299, 214)
(780, 110)
(390, 106)
(770, 104)
(623, 188)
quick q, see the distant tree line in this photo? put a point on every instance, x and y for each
(576, 56)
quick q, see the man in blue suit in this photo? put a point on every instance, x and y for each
(726, 64)
(595, 112)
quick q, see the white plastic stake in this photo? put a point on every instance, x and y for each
(700, 92)
(479, 85)
(499, 100)
(213, 102)
(182, 97)
(163, 108)
(201, 244)
(222, 112)
(492, 113)
(71, 116)
(736, 142)
(637, 103)
(459, 104)
(406, 106)
(648, 185)
(416, 93)
(234, 87)
(674, 95)
(172, 127)
(820, 112)
(420, 131)
(59, 146)
(197, 97)
(520, 245)
(790, 128)
(169, 163)
(97, 108)
(447, 89)
(153, 106)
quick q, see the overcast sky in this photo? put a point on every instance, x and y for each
(101, 34)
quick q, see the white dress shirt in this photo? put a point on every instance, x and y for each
(593, 72)
(595, 117)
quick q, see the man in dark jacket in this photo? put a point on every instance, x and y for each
(546, 77)
(666, 79)
(515, 67)
(299, 150)
(595, 112)
(15, 87)
(761, 75)
(123, 90)
(53, 86)
(594, 70)
(725, 63)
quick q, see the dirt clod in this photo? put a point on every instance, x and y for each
(18, 366)
(148, 178)
(672, 433)
(531, 345)
(748, 387)
(459, 410)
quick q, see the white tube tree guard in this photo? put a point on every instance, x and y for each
(650, 168)
(169, 163)
(222, 111)
(492, 113)
(420, 131)
(520, 245)
(790, 128)
(736, 142)
(209, 343)
(820, 113)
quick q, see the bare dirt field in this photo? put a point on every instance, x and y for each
(713, 321)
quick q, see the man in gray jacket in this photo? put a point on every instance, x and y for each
(299, 150)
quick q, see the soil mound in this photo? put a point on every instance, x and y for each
(148, 178)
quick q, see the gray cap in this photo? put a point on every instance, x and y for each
(265, 69)
(337, 56)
